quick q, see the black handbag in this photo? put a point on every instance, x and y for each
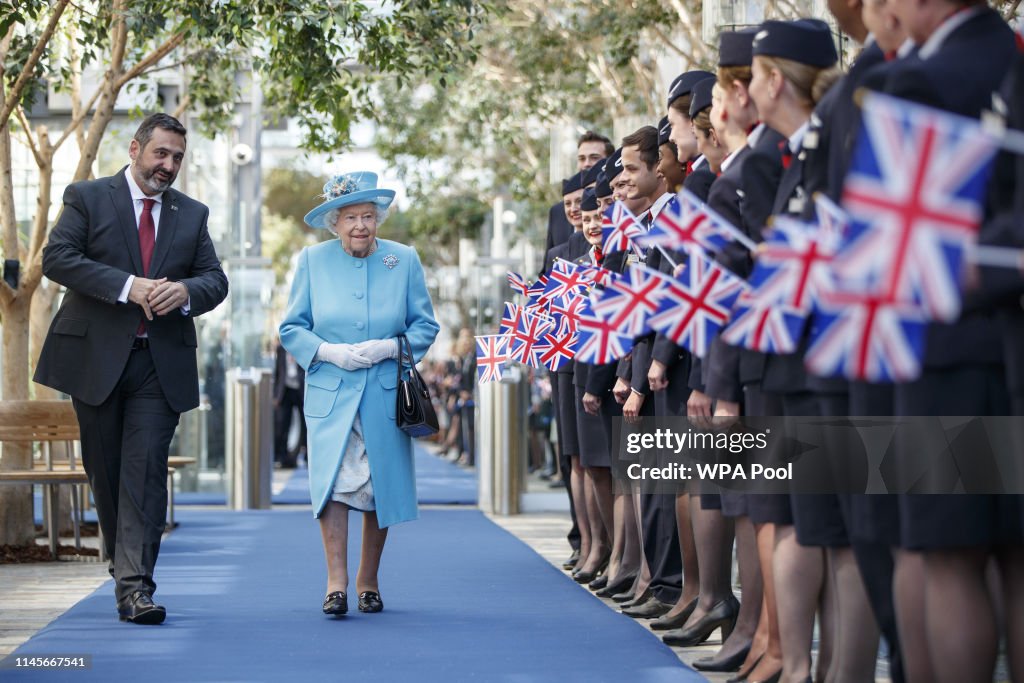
(414, 412)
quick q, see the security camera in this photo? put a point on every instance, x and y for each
(241, 154)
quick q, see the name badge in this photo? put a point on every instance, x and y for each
(796, 205)
(632, 258)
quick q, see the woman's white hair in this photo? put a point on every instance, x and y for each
(331, 217)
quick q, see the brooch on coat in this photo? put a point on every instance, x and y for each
(390, 260)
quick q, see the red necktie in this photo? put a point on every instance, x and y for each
(147, 240)
(147, 234)
(598, 255)
(787, 156)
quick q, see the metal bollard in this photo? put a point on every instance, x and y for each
(502, 440)
(250, 438)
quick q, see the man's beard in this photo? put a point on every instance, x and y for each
(154, 182)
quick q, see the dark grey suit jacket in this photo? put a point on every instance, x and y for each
(92, 250)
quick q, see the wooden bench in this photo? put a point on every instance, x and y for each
(174, 463)
(46, 423)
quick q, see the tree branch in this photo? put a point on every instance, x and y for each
(1012, 11)
(28, 135)
(14, 94)
(668, 42)
(153, 57)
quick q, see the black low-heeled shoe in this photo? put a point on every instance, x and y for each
(722, 615)
(599, 584)
(618, 586)
(369, 601)
(336, 603)
(667, 623)
(732, 663)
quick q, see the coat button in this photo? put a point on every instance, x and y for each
(359, 325)
(359, 387)
(359, 264)
(358, 295)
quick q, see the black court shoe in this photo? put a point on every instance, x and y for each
(336, 603)
(369, 601)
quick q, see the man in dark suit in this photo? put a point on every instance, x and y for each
(289, 380)
(138, 263)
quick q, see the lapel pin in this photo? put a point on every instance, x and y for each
(174, 207)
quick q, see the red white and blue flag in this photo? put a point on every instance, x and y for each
(491, 356)
(792, 267)
(697, 305)
(556, 349)
(509, 318)
(518, 283)
(771, 329)
(628, 301)
(866, 338)
(536, 298)
(528, 333)
(619, 229)
(566, 278)
(565, 310)
(914, 193)
(689, 224)
(597, 341)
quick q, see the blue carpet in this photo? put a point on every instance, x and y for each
(464, 601)
(438, 482)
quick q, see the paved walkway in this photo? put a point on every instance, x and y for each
(33, 595)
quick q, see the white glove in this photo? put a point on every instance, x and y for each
(377, 350)
(345, 356)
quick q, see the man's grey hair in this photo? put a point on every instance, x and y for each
(331, 217)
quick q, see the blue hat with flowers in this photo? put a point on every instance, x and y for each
(347, 189)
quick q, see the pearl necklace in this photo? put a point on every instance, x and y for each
(373, 248)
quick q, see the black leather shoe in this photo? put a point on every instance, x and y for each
(583, 576)
(620, 585)
(637, 599)
(600, 583)
(651, 609)
(571, 562)
(732, 663)
(722, 615)
(369, 601)
(667, 623)
(741, 676)
(138, 608)
(336, 603)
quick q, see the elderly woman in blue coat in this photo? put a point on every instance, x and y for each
(350, 299)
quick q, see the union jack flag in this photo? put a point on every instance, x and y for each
(509, 319)
(491, 356)
(556, 349)
(772, 329)
(696, 307)
(526, 336)
(866, 338)
(518, 283)
(914, 195)
(619, 229)
(793, 265)
(597, 341)
(565, 278)
(566, 311)
(628, 302)
(688, 224)
(537, 299)
(832, 220)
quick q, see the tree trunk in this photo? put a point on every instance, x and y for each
(17, 526)
(39, 325)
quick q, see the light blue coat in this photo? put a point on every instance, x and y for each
(338, 298)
